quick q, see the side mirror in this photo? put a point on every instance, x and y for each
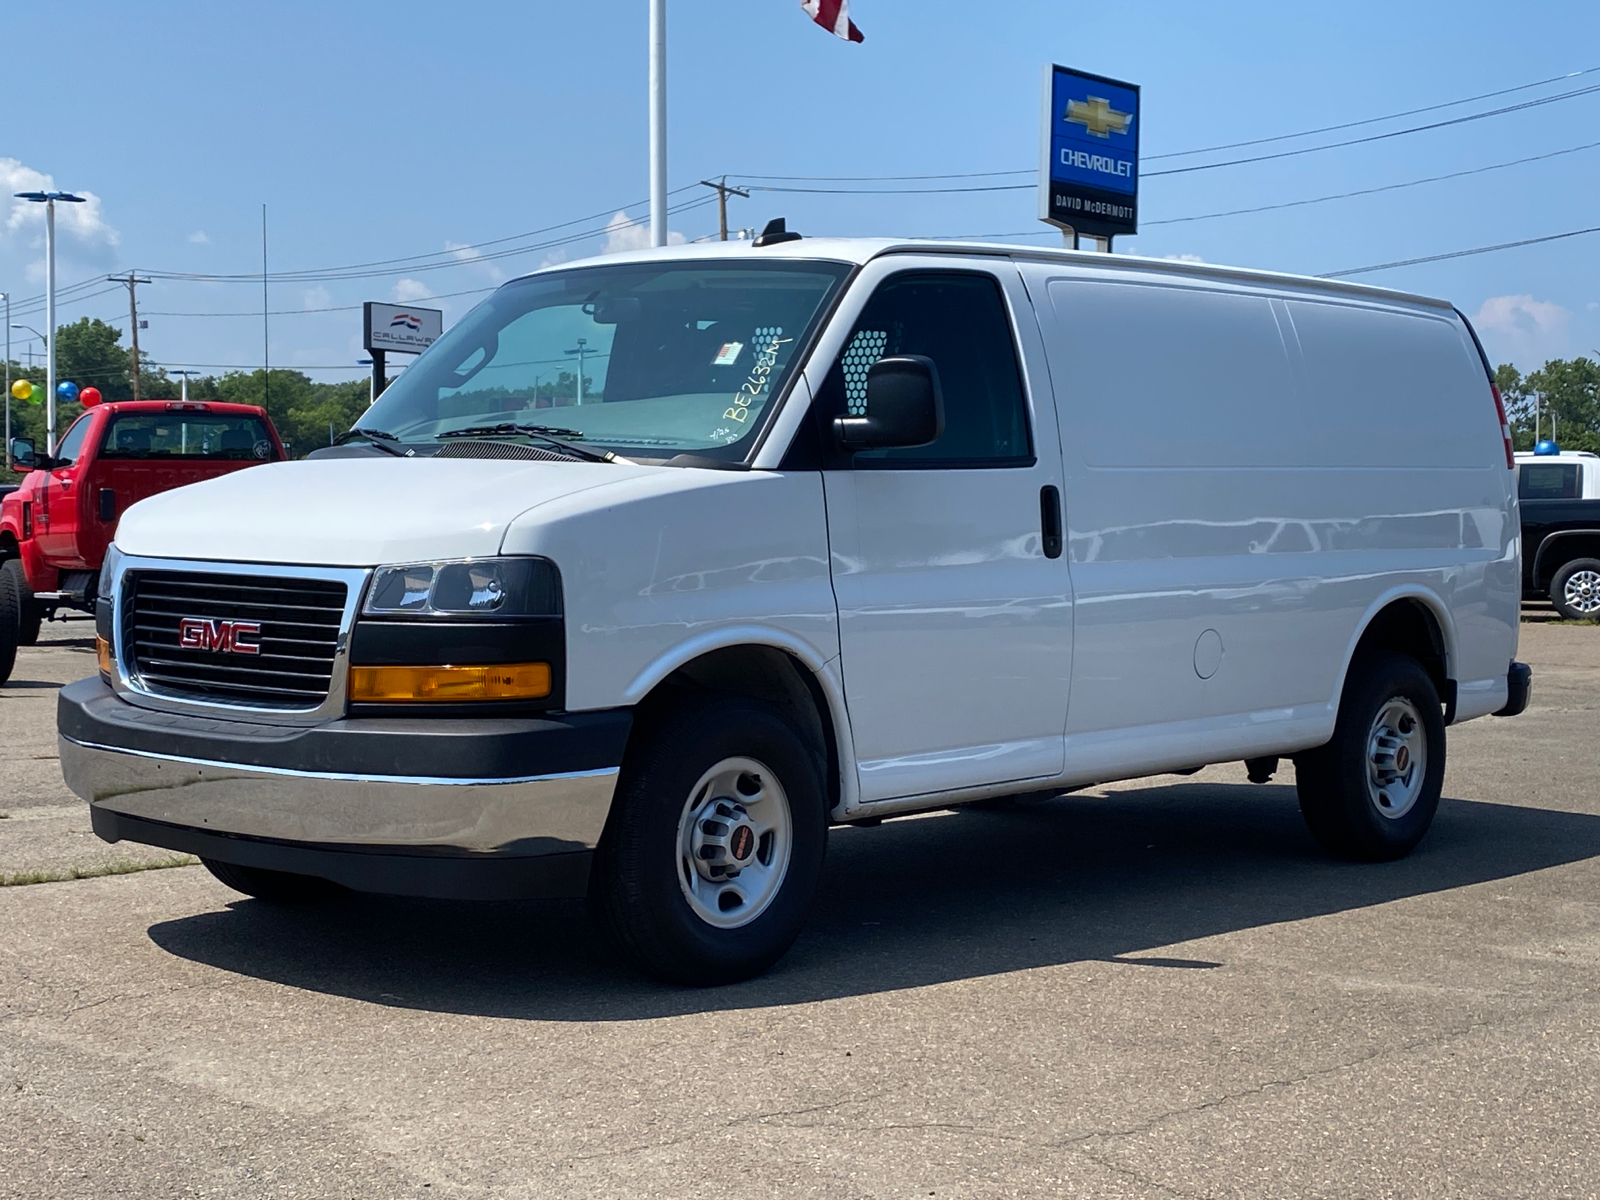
(905, 407)
(23, 454)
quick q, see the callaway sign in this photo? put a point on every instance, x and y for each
(400, 327)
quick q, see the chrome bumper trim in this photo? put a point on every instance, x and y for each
(524, 816)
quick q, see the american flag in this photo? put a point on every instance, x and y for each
(834, 16)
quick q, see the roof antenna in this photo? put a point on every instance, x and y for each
(776, 231)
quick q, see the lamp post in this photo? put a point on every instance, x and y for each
(48, 199)
(185, 372)
(7, 451)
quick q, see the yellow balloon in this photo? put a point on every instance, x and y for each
(22, 389)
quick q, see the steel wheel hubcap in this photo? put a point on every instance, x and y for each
(734, 843)
(1583, 592)
(1397, 758)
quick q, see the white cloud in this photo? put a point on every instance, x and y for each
(316, 297)
(556, 257)
(625, 234)
(1523, 330)
(407, 290)
(471, 254)
(1194, 258)
(199, 238)
(84, 222)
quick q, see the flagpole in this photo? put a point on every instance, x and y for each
(658, 122)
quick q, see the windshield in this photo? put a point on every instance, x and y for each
(188, 434)
(651, 360)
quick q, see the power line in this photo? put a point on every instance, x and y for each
(1378, 137)
(1394, 116)
(1410, 112)
(1389, 187)
(1411, 262)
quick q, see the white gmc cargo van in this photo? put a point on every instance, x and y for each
(819, 532)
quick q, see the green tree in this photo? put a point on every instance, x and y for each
(1564, 394)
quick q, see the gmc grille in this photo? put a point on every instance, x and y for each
(299, 621)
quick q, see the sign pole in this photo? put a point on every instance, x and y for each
(380, 373)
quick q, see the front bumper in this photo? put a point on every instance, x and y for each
(492, 808)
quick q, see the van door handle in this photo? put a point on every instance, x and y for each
(1050, 519)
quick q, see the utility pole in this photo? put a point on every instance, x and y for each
(723, 192)
(580, 351)
(131, 281)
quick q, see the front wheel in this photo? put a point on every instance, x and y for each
(1371, 792)
(30, 613)
(10, 620)
(714, 844)
(1575, 589)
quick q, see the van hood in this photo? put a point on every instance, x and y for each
(360, 512)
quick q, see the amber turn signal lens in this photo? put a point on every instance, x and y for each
(102, 655)
(449, 685)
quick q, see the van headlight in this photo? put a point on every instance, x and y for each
(495, 588)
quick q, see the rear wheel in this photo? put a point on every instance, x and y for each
(30, 613)
(277, 887)
(714, 845)
(1575, 589)
(9, 623)
(1371, 792)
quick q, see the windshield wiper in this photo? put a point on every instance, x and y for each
(544, 433)
(380, 438)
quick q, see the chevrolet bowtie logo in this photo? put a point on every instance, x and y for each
(1097, 116)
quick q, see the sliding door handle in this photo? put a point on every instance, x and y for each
(1050, 519)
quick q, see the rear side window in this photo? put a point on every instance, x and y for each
(959, 321)
(1547, 481)
(188, 435)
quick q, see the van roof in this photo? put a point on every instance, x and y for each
(863, 250)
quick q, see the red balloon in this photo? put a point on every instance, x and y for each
(89, 397)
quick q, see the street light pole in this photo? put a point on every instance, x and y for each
(658, 122)
(184, 377)
(583, 346)
(7, 451)
(48, 199)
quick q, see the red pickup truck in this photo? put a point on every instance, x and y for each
(54, 529)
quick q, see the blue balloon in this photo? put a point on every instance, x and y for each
(67, 390)
(1546, 446)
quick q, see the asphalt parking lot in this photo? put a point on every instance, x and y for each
(1158, 988)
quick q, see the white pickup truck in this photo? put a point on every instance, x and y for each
(653, 567)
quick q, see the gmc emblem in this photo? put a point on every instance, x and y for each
(225, 637)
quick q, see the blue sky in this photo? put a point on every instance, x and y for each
(381, 132)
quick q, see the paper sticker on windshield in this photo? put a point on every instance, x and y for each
(728, 355)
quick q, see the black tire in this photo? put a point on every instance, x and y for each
(1575, 589)
(634, 888)
(9, 623)
(276, 887)
(30, 613)
(1338, 795)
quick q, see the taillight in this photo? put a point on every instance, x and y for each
(1505, 426)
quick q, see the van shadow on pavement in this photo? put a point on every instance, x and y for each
(904, 905)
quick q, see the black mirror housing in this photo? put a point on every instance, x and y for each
(24, 455)
(905, 407)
